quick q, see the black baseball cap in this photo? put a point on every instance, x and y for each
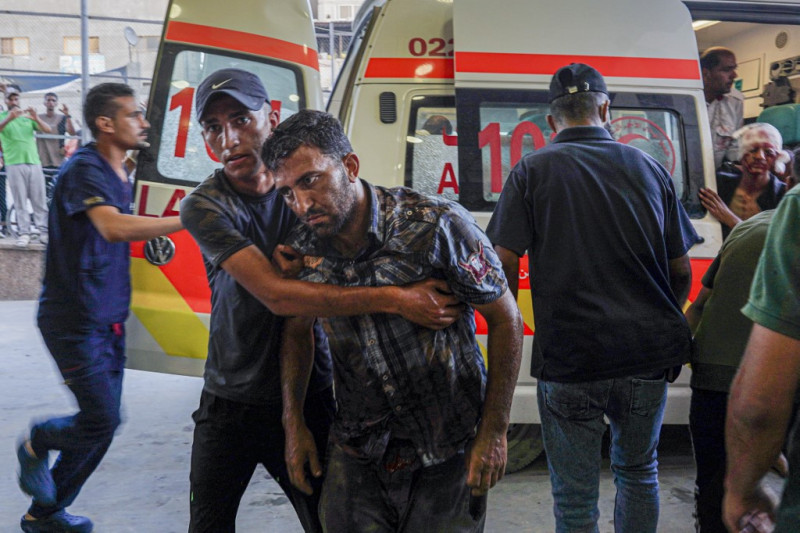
(242, 85)
(576, 78)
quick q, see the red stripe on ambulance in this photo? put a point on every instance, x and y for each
(397, 67)
(241, 41)
(548, 64)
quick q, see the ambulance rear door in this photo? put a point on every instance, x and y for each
(504, 60)
(168, 327)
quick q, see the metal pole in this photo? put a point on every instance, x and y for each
(330, 49)
(85, 135)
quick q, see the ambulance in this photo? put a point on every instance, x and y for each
(445, 97)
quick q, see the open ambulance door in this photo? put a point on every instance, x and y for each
(169, 323)
(504, 60)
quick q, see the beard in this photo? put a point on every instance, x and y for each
(343, 199)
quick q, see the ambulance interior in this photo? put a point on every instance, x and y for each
(768, 59)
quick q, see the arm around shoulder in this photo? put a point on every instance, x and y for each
(426, 303)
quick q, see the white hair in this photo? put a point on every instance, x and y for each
(758, 133)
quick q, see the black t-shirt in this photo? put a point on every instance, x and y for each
(600, 221)
(245, 336)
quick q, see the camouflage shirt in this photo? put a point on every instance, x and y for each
(393, 378)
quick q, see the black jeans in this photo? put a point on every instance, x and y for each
(398, 494)
(230, 440)
(707, 424)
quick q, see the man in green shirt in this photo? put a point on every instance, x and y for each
(721, 333)
(763, 390)
(23, 167)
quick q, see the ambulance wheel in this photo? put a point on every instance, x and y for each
(524, 445)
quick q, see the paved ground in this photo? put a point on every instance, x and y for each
(142, 485)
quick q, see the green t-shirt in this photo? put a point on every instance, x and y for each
(19, 144)
(775, 295)
(723, 330)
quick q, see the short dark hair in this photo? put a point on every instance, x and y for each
(576, 107)
(316, 129)
(50, 94)
(711, 57)
(100, 102)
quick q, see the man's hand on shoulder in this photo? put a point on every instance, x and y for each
(430, 304)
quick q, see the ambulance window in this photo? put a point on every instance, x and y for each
(182, 153)
(656, 133)
(508, 132)
(499, 127)
(432, 151)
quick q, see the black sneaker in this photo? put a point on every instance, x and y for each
(35, 478)
(58, 522)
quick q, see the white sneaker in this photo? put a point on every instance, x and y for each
(43, 238)
(23, 241)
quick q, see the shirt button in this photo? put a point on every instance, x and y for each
(409, 212)
(371, 342)
(398, 408)
(386, 377)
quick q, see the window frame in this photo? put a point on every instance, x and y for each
(468, 102)
(12, 43)
(435, 100)
(158, 104)
(94, 44)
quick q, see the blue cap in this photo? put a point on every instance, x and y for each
(242, 85)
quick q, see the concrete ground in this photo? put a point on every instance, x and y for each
(142, 484)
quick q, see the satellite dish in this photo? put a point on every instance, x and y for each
(130, 36)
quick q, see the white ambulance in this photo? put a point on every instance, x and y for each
(443, 96)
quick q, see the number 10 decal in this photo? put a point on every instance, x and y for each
(184, 99)
(490, 136)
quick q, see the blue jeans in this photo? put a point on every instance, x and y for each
(91, 362)
(572, 430)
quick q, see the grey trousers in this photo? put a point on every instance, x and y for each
(27, 183)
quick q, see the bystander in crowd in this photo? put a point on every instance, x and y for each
(752, 186)
(725, 104)
(52, 151)
(23, 166)
(721, 333)
(763, 391)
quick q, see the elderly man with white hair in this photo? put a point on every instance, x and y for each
(753, 188)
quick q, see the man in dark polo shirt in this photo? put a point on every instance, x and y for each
(607, 243)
